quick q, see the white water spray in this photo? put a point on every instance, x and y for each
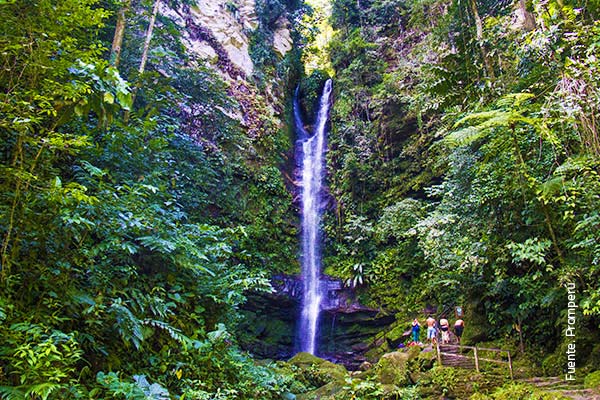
(313, 162)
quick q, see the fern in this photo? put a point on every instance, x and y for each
(42, 390)
(11, 393)
(38, 391)
(173, 332)
(158, 244)
(128, 325)
(464, 137)
(510, 112)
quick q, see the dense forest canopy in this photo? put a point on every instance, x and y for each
(145, 190)
(137, 208)
(465, 155)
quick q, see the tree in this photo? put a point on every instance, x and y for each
(117, 43)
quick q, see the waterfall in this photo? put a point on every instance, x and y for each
(313, 151)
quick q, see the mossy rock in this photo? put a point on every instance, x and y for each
(318, 371)
(397, 333)
(424, 361)
(592, 380)
(325, 392)
(392, 368)
(413, 352)
(307, 360)
(376, 352)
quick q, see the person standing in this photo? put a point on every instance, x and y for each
(431, 331)
(459, 327)
(416, 330)
(445, 328)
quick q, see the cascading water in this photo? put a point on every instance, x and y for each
(313, 151)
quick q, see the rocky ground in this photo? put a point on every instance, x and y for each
(413, 373)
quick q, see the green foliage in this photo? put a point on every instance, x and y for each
(592, 380)
(360, 389)
(463, 146)
(140, 389)
(516, 391)
(129, 232)
(445, 378)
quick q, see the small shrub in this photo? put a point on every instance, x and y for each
(553, 364)
(360, 390)
(592, 380)
(445, 378)
(517, 391)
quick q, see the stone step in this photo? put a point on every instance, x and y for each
(559, 387)
(457, 362)
(579, 394)
(542, 380)
(552, 383)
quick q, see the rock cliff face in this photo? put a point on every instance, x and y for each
(347, 329)
(228, 24)
(217, 33)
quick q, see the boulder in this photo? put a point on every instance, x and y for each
(319, 367)
(392, 368)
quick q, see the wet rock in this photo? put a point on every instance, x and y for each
(269, 325)
(346, 328)
(365, 366)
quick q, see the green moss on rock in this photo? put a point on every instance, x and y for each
(317, 371)
(327, 391)
(392, 368)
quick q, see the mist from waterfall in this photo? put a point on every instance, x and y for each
(312, 171)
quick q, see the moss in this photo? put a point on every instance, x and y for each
(592, 380)
(381, 348)
(424, 361)
(324, 392)
(310, 88)
(317, 371)
(517, 391)
(413, 352)
(397, 332)
(392, 368)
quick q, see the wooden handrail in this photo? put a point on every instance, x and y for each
(472, 347)
(475, 355)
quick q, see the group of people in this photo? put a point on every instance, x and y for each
(434, 327)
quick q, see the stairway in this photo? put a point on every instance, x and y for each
(559, 387)
(452, 357)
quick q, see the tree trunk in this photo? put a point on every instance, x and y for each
(520, 330)
(144, 59)
(479, 32)
(148, 37)
(528, 18)
(115, 51)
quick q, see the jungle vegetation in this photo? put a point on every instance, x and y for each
(464, 164)
(136, 210)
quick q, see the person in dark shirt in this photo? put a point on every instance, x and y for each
(459, 327)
